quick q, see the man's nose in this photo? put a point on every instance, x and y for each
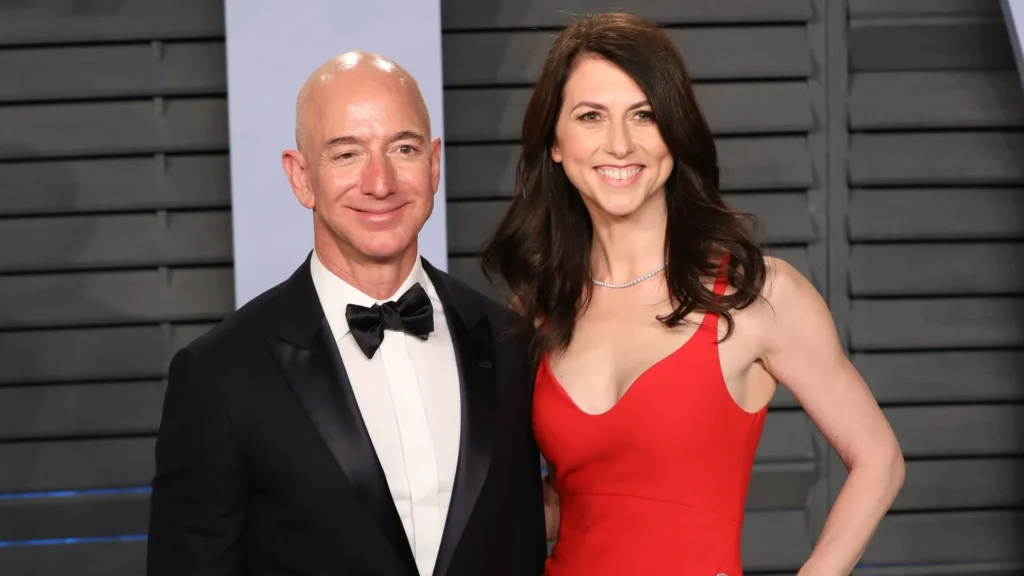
(378, 178)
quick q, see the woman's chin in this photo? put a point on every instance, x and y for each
(620, 208)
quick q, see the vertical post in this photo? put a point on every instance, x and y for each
(271, 48)
(1013, 13)
(838, 196)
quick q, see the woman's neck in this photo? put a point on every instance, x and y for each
(629, 247)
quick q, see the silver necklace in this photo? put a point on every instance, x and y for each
(631, 282)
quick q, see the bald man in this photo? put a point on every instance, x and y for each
(370, 414)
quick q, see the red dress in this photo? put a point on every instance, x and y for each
(657, 484)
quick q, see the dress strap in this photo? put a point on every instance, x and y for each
(722, 280)
(709, 324)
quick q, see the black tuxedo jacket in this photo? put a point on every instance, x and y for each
(264, 465)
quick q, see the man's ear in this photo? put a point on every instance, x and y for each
(297, 170)
(435, 163)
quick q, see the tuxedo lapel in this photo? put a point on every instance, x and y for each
(309, 358)
(474, 350)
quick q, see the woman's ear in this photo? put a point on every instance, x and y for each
(556, 154)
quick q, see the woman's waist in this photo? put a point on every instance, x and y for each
(595, 508)
(607, 534)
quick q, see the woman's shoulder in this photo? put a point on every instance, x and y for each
(784, 281)
(781, 281)
(786, 295)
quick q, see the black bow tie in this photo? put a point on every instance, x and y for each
(412, 313)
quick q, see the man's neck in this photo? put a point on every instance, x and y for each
(378, 279)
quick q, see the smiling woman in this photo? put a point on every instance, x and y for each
(613, 129)
(664, 329)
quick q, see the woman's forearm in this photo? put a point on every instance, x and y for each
(866, 496)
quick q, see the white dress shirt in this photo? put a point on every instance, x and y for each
(410, 400)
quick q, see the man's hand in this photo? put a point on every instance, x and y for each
(551, 509)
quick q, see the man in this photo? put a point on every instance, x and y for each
(369, 415)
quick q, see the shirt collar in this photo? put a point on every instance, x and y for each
(336, 294)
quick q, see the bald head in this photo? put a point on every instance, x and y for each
(347, 73)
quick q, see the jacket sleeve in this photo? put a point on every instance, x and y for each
(198, 504)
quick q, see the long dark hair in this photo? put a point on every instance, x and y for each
(542, 247)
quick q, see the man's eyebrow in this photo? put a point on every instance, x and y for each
(409, 135)
(340, 140)
(398, 136)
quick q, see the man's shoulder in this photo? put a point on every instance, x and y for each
(242, 329)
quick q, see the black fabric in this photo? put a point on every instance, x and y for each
(412, 313)
(264, 466)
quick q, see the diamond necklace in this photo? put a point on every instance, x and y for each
(631, 282)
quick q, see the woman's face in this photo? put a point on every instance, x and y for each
(608, 142)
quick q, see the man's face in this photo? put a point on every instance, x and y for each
(371, 171)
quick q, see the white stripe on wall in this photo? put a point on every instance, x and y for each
(272, 47)
(1013, 12)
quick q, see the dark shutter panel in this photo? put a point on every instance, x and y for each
(116, 233)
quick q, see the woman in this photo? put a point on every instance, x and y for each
(663, 328)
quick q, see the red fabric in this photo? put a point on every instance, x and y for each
(657, 484)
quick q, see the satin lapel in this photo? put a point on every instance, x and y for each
(474, 350)
(318, 378)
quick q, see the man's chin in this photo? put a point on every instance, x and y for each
(384, 252)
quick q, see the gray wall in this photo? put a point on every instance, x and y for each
(116, 250)
(879, 143)
(928, 271)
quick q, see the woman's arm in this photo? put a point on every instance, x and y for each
(802, 350)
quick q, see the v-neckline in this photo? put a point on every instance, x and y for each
(564, 393)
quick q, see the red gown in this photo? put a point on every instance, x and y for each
(657, 484)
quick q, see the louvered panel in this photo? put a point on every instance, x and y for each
(113, 71)
(923, 269)
(930, 42)
(82, 23)
(114, 198)
(507, 58)
(923, 323)
(126, 557)
(945, 569)
(92, 354)
(121, 297)
(62, 465)
(936, 158)
(931, 100)
(34, 131)
(969, 483)
(92, 516)
(943, 376)
(988, 536)
(83, 242)
(70, 410)
(474, 14)
(952, 213)
(115, 184)
(935, 320)
(958, 431)
(902, 8)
